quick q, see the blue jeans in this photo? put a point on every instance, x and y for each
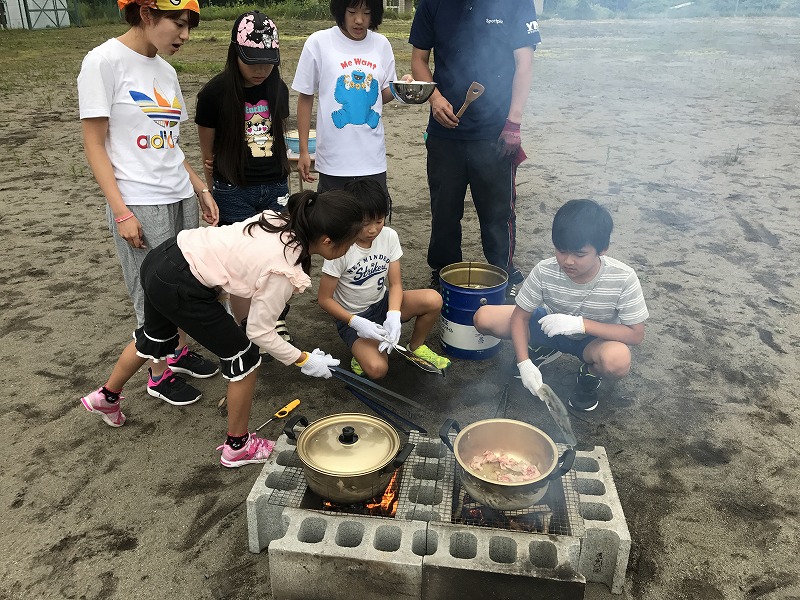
(240, 203)
(562, 343)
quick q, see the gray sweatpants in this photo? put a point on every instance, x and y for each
(159, 223)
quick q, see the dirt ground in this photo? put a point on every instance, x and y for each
(687, 130)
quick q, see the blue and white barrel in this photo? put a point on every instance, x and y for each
(466, 286)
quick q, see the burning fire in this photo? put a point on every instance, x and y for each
(388, 502)
(383, 506)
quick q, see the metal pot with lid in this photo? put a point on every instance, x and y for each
(348, 457)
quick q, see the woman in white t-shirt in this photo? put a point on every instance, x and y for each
(350, 67)
(131, 107)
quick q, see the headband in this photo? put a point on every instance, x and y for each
(163, 4)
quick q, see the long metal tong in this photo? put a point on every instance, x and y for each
(388, 414)
(367, 387)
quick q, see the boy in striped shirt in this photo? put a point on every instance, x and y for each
(580, 302)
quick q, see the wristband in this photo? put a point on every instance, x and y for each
(118, 220)
(300, 363)
(511, 126)
(201, 192)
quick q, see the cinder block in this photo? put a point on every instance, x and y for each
(263, 517)
(426, 486)
(341, 557)
(606, 547)
(463, 562)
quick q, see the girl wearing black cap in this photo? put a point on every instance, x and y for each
(240, 119)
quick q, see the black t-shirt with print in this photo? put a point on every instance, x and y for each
(261, 165)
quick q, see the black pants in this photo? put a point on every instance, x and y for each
(452, 166)
(173, 297)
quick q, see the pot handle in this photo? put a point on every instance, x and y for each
(445, 430)
(567, 459)
(398, 461)
(288, 428)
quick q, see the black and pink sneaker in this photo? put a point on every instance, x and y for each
(193, 364)
(172, 389)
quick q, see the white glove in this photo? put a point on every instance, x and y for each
(318, 364)
(531, 376)
(367, 329)
(559, 324)
(392, 326)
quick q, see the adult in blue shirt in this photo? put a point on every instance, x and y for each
(491, 42)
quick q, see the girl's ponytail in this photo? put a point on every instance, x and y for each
(309, 216)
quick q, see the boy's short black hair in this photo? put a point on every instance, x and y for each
(339, 7)
(582, 222)
(371, 196)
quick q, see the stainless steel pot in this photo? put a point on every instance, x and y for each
(348, 457)
(516, 439)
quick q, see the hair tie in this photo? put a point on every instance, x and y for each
(311, 197)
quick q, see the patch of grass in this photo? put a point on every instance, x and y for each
(730, 158)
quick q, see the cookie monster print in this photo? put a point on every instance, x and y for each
(356, 93)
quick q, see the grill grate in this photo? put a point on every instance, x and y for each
(558, 513)
(431, 469)
(432, 474)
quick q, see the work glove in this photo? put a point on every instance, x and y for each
(318, 364)
(367, 329)
(392, 326)
(509, 141)
(531, 376)
(558, 324)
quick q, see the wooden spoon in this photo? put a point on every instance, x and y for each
(475, 90)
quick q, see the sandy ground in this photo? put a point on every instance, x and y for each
(686, 130)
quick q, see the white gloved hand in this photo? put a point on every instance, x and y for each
(367, 329)
(531, 376)
(392, 326)
(559, 324)
(318, 364)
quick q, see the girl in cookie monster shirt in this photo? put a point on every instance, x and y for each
(350, 67)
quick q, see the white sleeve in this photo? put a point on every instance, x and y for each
(306, 76)
(95, 87)
(335, 267)
(390, 73)
(395, 250)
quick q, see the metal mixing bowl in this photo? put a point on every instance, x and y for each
(412, 92)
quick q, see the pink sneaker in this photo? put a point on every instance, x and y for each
(109, 411)
(256, 450)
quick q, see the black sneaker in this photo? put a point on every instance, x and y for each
(584, 396)
(192, 363)
(436, 283)
(173, 389)
(542, 355)
(511, 292)
(280, 326)
(515, 281)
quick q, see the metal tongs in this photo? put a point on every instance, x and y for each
(367, 387)
(423, 364)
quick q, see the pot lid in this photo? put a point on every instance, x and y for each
(348, 444)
